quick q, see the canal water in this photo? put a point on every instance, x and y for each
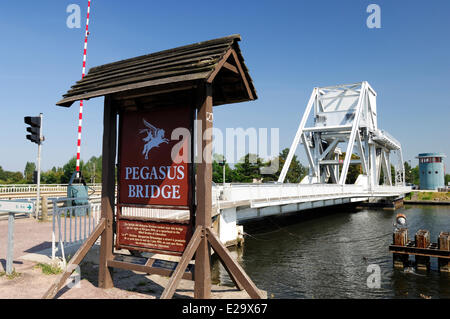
(329, 255)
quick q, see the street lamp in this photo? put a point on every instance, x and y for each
(410, 172)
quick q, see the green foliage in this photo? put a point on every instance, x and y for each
(425, 196)
(295, 173)
(247, 170)
(7, 177)
(52, 176)
(69, 168)
(30, 167)
(217, 167)
(92, 170)
(447, 179)
(411, 174)
(48, 269)
(353, 170)
(92, 173)
(12, 275)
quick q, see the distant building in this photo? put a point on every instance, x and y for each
(431, 170)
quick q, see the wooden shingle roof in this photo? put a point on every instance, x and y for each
(217, 61)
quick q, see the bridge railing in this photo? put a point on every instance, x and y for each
(44, 188)
(270, 192)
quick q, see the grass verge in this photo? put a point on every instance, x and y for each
(48, 269)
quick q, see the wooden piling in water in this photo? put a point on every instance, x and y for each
(444, 244)
(400, 239)
(421, 248)
(422, 239)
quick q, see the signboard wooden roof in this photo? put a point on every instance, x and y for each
(218, 60)
(173, 88)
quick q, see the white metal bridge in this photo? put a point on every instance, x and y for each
(336, 118)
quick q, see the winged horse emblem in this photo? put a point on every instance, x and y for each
(155, 137)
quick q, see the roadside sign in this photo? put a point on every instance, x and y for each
(16, 207)
(13, 207)
(155, 179)
(153, 171)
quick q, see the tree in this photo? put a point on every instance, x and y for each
(246, 172)
(353, 170)
(52, 176)
(408, 173)
(447, 179)
(217, 166)
(411, 174)
(92, 170)
(69, 168)
(295, 173)
(30, 167)
(7, 177)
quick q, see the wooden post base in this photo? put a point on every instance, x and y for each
(237, 274)
(444, 265)
(422, 263)
(400, 260)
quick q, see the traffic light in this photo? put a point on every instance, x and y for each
(35, 177)
(34, 129)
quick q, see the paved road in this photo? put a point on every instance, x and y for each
(29, 236)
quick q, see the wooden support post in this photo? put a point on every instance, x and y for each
(444, 265)
(422, 263)
(108, 192)
(203, 236)
(76, 259)
(444, 244)
(183, 263)
(422, 239)
(400, 239)
(204, 193)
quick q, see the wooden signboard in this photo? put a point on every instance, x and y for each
(157, 97)
(154, 180)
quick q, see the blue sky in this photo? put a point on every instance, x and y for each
(289, 47)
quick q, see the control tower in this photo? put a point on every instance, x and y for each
(431, 170)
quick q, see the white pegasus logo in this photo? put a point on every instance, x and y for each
(155, 137)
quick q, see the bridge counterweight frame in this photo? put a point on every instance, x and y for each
(345, 114)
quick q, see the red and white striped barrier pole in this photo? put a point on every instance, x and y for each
(80, 118)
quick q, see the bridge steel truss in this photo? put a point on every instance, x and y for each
(346, 115)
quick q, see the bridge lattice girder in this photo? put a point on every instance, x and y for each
(346, 115)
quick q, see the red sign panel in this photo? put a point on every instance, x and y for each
(153, 235)
(153, 166)
(154, 172)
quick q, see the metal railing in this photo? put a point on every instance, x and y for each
(72, 225)
(32, 188)
(273, 192)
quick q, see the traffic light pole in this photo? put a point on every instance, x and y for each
(35, 123)
(38, 182)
